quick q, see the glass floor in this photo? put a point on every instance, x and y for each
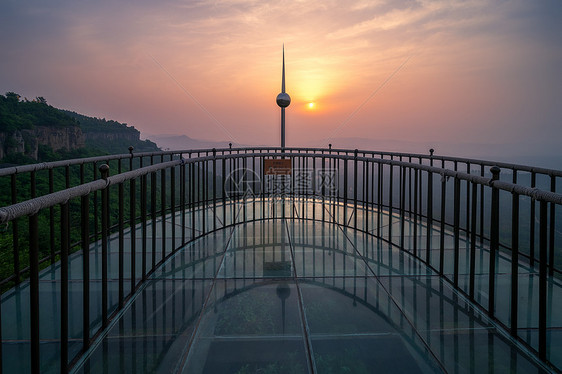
(283, 295)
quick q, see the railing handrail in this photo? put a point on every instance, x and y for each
(79, 161)
(32, 206)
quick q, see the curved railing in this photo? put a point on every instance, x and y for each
(20, 183)
(201, 191)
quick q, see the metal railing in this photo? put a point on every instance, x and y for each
(387, 197)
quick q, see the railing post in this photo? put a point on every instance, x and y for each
(163, 211)
(215, 190)
(121, 241)
(355, 189)
(133, 230)
(456, 229)
(442, 224)
(552, 228)
(415, 234)
(390, 202)
(96, 214)
(402, 205)
(85, 228)
(173, 205)
(345, 192)
(514, 262)
(472, 241)
(34, 292)
(132, 221)
(52, 213)
(532, 222)
(65, 244)
(104, 170)
(494, 239)
(15, 236)
(542, 279)
(429, 237)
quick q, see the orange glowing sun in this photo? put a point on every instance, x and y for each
(310, 105)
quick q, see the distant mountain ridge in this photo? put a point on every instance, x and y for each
(181, 142)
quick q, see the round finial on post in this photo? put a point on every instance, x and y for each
(230, 145)
(495, 173)
(431, 152)
(131, 150)
(355, 153)
(330, 146)
(104, 171)
(214, 152)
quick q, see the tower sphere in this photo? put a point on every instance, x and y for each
(283, 100)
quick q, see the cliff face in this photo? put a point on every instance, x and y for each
(27, 141)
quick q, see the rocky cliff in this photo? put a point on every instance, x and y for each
(27, 141)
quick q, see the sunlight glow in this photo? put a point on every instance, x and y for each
(310, 105)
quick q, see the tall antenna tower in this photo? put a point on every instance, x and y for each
(283, 100)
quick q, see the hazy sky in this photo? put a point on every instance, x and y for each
(475, 71)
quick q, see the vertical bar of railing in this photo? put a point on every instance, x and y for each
(254, 186)
(96, 215)
(244, 188)
(104, 170)
(543, 206)
(532, 223)
(366, 195)
(482, 207)
(192, 198)
(494, 241)
(202, 189)
(153, 217)
(442, 224)
(456, 229)
(85, 244)
(215, 190)
(224, 192)
(467, 201)
(344, 192)
(173, 205)
(65, 232)
(429, 217)
(390, 202)
(34, 292)
(314, 187)
(410, 210)
(143, 198)
(514, 261)
(552, 228)
(182, 201)
(121, 241)
(52, 215)
(472, 240)
(355, 190)
(402, 204)
(416, 182)
(163, 211)
(323, 175)
(15, 236)
(380, 171)
(133, 230)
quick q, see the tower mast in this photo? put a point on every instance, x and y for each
(283, 100)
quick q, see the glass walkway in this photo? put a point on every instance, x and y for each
(285, 295)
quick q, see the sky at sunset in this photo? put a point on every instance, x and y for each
(424, 72)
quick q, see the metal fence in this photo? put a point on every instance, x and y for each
(406, 200)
